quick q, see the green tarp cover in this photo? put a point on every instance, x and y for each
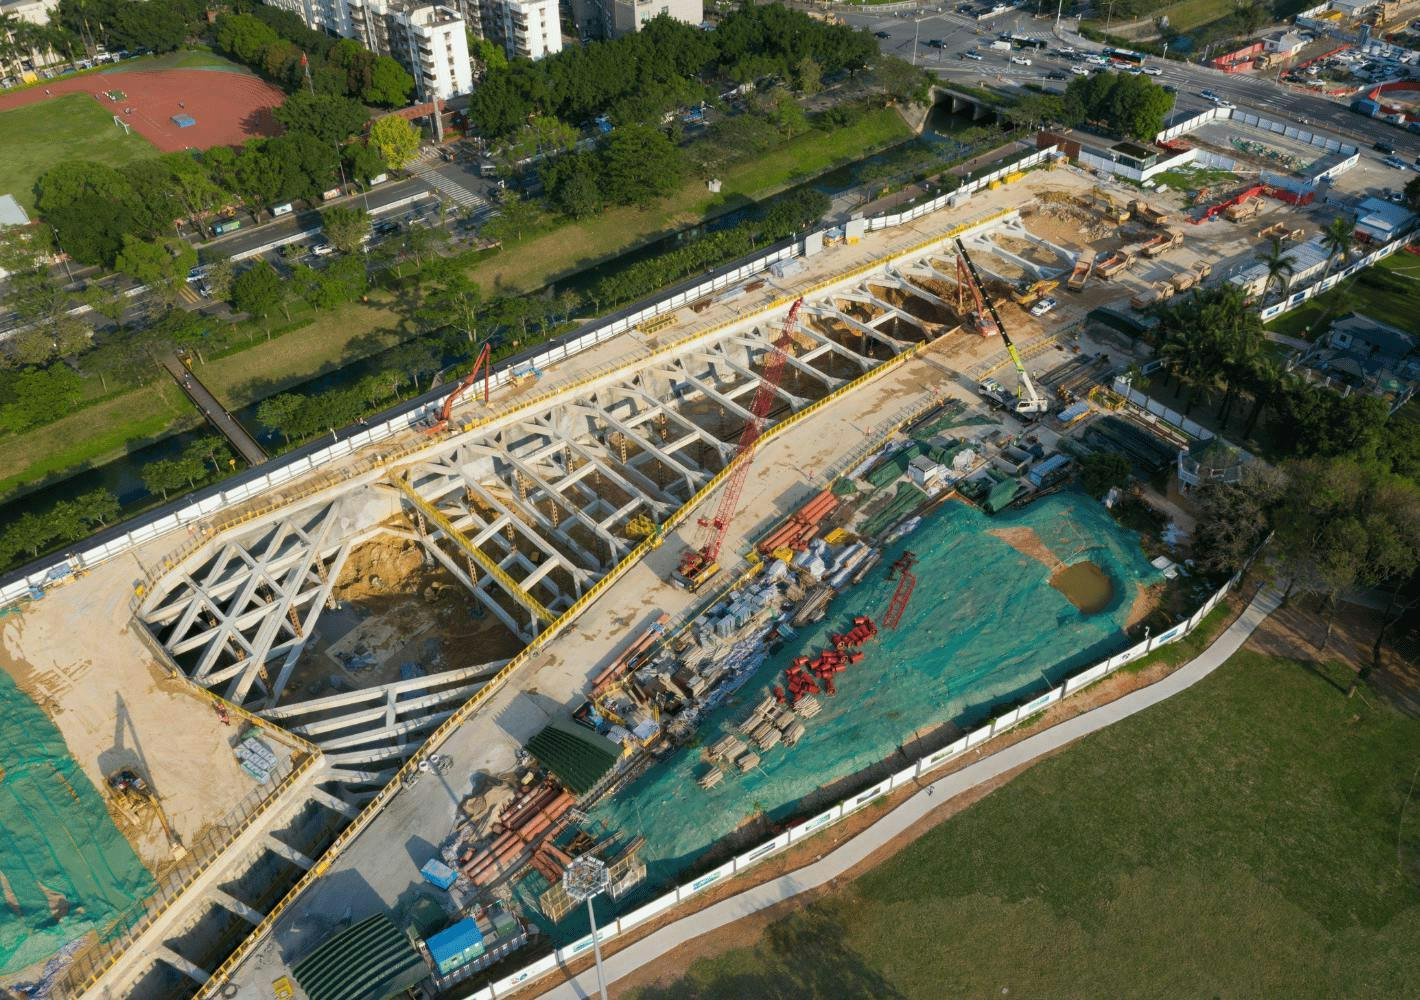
(577, 756)
(371, 960)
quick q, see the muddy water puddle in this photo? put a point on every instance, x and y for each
(1084, 585)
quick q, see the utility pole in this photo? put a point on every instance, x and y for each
(585, 879)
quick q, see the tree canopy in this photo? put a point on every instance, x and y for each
(1125, 104)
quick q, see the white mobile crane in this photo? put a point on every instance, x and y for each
(1027, 402)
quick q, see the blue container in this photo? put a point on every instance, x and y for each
(437, 873)
(456, 946)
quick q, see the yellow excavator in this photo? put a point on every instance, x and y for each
(134, 798)
(1026, 296)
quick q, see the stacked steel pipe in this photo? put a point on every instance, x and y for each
(804, 675)
(802, 525)
(631, 656)
(522, 832)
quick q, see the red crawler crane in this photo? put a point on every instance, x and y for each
(484, 364)
(905, 583)
(712, 534)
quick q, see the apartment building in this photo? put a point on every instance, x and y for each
(526, 29)
(427, 39)
(615, 18)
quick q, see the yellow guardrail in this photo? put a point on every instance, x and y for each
(461, 540)
(224, 972)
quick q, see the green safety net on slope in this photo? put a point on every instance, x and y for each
(983, 629)
(66, 869)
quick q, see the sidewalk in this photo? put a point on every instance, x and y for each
(913, 810)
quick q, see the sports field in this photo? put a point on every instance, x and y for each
(1257, 835)
(69, 127)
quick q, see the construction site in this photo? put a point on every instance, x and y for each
(709, 571)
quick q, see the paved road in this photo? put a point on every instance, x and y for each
(911, 812)
(910, 38)
(214, 411)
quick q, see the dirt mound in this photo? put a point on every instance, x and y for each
(1027, 542)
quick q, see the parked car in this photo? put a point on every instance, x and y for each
(1153, 71)
(1079, 71)
(935, 43)
(1396, 162)
(881, 34)
(322, 250)
(1043, 306)
(971, 55)
(1055, 74)
(1383, 147)
(1020, 60)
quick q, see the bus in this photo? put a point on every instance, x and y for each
(1124, 57)
(230, 226)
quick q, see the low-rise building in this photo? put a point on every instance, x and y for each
(1361, 353)
(1382, 220)
(615, 18)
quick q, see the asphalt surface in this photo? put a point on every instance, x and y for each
(906, 816)
(214, 412)
(910, 38)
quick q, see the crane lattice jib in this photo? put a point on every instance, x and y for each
(991, 306)
(712, 535)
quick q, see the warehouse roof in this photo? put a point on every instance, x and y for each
(577, 756)
(372, 960)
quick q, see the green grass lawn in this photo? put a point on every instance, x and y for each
(1247, 838)
(1195, 178)
(72, 127)
(1386, 291)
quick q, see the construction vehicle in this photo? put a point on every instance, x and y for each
(485, 364)
(1202, 268)
(1103, 202)
(1145, 212)
(1243, 210)
(1027, 402)
(701, 563)
(1113, 264)
(134, 798)
(1223, 207)
(640, 526)
(1169, 239)
(1027, 295)
(1084, 265)
(1182, 281)
(1155, 293)
(524, 374)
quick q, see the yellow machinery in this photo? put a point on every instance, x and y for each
(640, 526)
(134, 798)
(1103, 202)
(700, 577)
(1028, 295)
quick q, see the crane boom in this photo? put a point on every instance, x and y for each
(485, 364)
(712, 534)
(1028, 400)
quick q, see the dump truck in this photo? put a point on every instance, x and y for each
(1182, 281)
(1243, 210)
(1147, 213)
(1169, 239)
(1113, 264)
(1084, 264)
(1202, 268)
(1154, 293)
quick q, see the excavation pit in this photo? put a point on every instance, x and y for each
(1086, 586)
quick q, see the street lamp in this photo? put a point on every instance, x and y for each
(585, 879)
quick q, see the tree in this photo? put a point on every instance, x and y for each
(902, 82)
(1280, 267)
(346, 227)
(243, 36)
(164, 475)
(1037, 111)
(258, 290)
(639, 165)
(330, 119)
(1338, 237)
(808, 77)
(162, 265)
(1121, 103)
(280, 412)
(395, 140)
(1102, 470)
(390, 86)
(109, 304)
(454, 303)
(363, 162)
(218, 277)
(1234, 518)
(515, 216)
(1412, 194)
(486, 55)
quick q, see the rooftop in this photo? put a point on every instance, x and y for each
(11, 212)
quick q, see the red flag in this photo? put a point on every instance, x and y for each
(303, 59)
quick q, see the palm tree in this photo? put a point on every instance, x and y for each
(1338, 238)
(1268, 378)
(9, 50)
(1280, 268)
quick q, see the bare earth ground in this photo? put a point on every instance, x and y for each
(73, 654)
(671, 968)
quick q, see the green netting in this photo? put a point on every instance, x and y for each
(65, 869)
(1001, 494)
(577, 756)
(895, 465)
(907, 497)
(983, 628)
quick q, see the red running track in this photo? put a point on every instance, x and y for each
(230, 108)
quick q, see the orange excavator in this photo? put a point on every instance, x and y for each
(484, 364)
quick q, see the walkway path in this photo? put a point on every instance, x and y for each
(912, 811)
(214, 411)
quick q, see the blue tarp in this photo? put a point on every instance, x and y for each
(184, 121)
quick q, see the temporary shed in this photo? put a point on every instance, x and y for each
(371, 960)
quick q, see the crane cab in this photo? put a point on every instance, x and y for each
(693, 580)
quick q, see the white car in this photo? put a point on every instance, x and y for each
(1043, 306)
(1020, 60)
(1066, 50)
(1079, 71)
(972, 55)
(322, 250)
(1153, 71)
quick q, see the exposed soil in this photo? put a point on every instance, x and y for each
(1084, 585)
(1027, 542)
(1146, 601)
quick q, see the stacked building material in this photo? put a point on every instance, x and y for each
(632, 656)
(802, 525)
(522, 834)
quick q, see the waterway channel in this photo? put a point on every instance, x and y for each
(123, 475)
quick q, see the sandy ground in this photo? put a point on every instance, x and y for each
(74, 655)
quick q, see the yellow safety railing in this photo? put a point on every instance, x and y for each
(224, 972)
(461, 540)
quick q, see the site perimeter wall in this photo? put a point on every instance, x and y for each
(847, 807)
